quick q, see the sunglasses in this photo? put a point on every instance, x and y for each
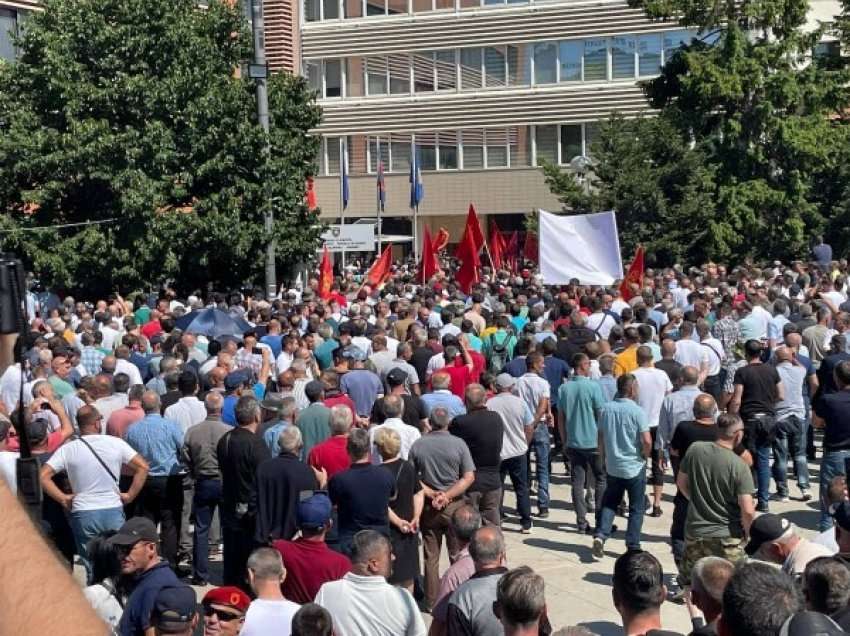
(222, 615)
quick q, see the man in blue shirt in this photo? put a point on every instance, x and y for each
(160, 442)
(136, 543)
(624, 429)
(579, 402)
(442, 396)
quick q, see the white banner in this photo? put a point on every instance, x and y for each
(359, 237)
(582, 246)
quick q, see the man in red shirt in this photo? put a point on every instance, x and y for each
(308, 560)
(333, 396)
(461, 370)
(121, 419)
(331, 455)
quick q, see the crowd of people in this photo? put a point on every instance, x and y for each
(331, 444)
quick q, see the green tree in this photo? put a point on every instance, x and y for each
(747, 154)
(134, 110)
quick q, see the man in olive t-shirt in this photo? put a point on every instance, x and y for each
(719, 486)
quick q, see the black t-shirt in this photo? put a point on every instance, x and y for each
(691, 431)
(834, 409)
(414, 411)
(482, 431)
(672, 368)
(760, 392)
(362, 495)
(240, 452)
(419, 361)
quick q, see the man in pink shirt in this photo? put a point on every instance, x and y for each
(466, 520)
(121, 419)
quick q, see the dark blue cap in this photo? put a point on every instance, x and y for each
(174, 606)
(314, 510)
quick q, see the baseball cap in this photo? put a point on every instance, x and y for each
(841, 513)
(37, 428)
(314, 512)
(134, 530)
(173, 608)
(396, 376)
(505, 380)
(764, 529)
(808, 623)
(354, 353)
(234, 380)
(228, 596)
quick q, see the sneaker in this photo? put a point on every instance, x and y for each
(525, 530)
(196, 580)
(583, 528)
(762, 507)
(543, 513)
(676, 596)
(598, 549)
(656, 511)
(779, 497)
(805, 495)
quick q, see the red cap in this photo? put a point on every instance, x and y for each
(230, 596)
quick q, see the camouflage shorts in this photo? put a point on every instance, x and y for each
(728, 548)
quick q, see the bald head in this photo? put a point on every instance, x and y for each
(214, 402)
(150, 402)
(690, 375)
(784, 354)
(705, 408)
(794, 340)
(668, 349)
(487, 548)
(476, 396)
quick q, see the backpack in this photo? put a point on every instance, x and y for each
(498, 353)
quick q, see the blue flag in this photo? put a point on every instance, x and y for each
(417, 192)
(343, 173)
(382, 189)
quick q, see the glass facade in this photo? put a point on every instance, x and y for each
(604, 59)
(468, 149)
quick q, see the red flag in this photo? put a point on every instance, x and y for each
(312, 204)
(429, 265)
(326, 275)
(529, 251)
(497, 245)
(380, 270)
(467, 274)
(441, 240)
(511, 251)
(634, 275)
(472, 228)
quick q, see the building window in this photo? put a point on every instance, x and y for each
(333, 78)
(473, 149)
(570, 54)
(546, 142)
(399, 153)
(545, 63)
(355, 81)
(427, 148)
(399, 67)
(330, 9)
(312, 10)
(496, 143)
(591, 135)
(446, 65)
(374, 144)
(312, 71)
(623, 57)
(649, 54)
(375, 7)
(376, 75)
(470, 69)
(674, 41)
(396, 7)
(519, 66)
(447, 155)
(595, 60)
(494, 66)
(570, 142)
(422, 6)
(423, 72)
(332, 154)
(519, 139)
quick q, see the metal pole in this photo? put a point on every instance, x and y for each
(379, 168)
(259, 73)
(343, 175)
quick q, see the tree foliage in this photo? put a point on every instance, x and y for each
(134, 110)
(747, 153)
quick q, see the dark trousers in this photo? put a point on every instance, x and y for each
(435, 525)
(713, 384)
(517, 469)
(206, 500)
(677, 529)
(238, 542)
(161, 501)
(487, 503)
(586, 461)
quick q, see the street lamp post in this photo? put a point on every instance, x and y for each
(258, 71)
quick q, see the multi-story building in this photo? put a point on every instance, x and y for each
(13, 14)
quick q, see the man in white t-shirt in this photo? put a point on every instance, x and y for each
(8, 459)
(393, 407)
(653, 385)
(270, 612)
(188, 410)
(689, 352)
(362, 603)
(535, 391)
(93, 465)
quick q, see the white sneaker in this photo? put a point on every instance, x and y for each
(525, 530)
(598, 549)
(805, 495)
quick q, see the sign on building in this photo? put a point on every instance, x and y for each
(350, 238)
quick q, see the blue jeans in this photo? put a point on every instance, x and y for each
(615, 488)
(87, 524)
(790, 434)
(831, 466)
(517, 469)
(540, 446)
(761, 448)
(207, 498)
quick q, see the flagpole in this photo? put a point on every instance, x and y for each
(489, 255)
(343, 174)
(379, 170)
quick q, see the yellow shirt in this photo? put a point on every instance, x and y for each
(626, 361)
